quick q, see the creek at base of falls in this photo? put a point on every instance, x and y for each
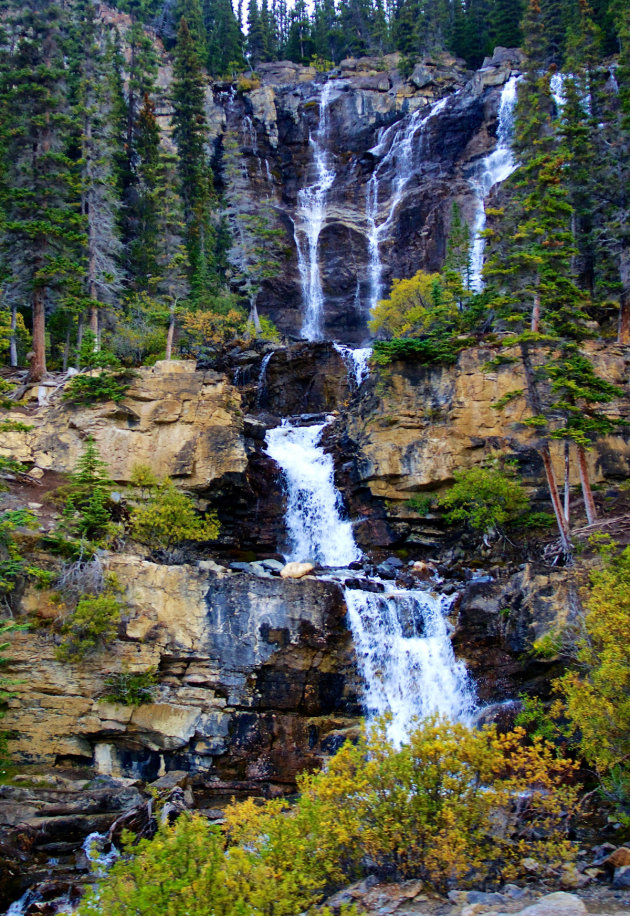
(401, 636)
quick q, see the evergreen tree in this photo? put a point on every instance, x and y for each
(505, 23)
(225, 38)
(190, 132)
(99, 204)
(256, 44)
(43, 228)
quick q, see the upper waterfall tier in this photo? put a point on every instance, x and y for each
(357, 171)
(492, 170)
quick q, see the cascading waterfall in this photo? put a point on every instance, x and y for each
(493, 169)
(262, 378)
(309, 222)
(401, 636)
(357, 361)
(397, 145)
(315, 527)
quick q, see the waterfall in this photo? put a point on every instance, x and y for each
(315, 527)
(402, 642)
(262, 378)
(357, 362)
(396, 148)
(401, 636)
(309, 222)
(493, 169)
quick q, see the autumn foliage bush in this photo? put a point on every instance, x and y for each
(452, 806)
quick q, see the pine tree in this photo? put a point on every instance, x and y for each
(43, 227)
(505, 23)
(190, 131)
(99, 204)
(256, 45)
(225, 38)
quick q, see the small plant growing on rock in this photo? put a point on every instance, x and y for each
(486, 499)
(131, 688)
(92, 625)
(169, 518)
(105, 381)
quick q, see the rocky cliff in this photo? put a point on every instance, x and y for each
(357, 169)
(257, 674)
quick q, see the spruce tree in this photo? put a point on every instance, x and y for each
(43, 233)
(190, 131)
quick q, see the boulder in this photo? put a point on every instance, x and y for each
(621, 877)
(296, 570)
(558, 904)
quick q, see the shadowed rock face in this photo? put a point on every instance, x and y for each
(368, 105)
(257, 680)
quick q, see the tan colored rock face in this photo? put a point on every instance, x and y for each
(180, 422)
(243, 664)
(431, 420)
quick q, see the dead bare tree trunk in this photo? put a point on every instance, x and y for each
(563, 528)
(170, 336)
(13, 354)
(543, 450)
(567, 478)
(587, 493)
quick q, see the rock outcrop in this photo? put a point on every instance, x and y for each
(181, 422)
(256, 679)
(413, 427)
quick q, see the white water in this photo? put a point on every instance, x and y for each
(309, 223)
(401, 637)
(357, 361)
(402, 643)
(100, 861)
(262, 378)
(397, 149)
(556, 84)
(493, 169)
(315, 527)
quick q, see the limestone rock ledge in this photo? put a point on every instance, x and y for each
(181, 422)
(256, 679)
(420, 423)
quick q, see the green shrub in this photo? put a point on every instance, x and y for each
(13, 564)
(484, 498)
(6, 685)
(440, 808)
(424, 350)
(131, 688)
(422, 504)
(169, 518)
(101, 385)
(92, 625)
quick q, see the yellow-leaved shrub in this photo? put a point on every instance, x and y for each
(452, 806)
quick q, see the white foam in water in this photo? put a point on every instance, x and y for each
(309, 223)
(406, 657)
(401, 637)
(357, 360)
(316, 529)
(100, 862)
(398, 146)
(493, 169)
